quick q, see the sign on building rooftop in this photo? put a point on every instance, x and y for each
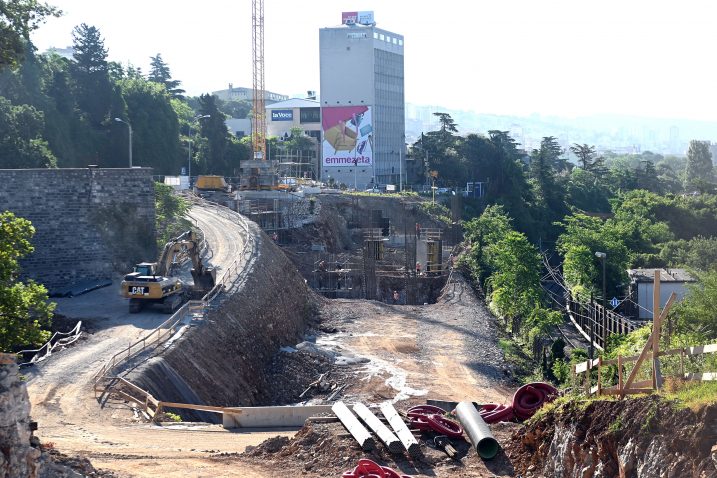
(357, 18)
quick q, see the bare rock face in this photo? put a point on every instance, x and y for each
(633, 438)
(17, 458)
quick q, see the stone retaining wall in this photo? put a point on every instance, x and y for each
(88, 222)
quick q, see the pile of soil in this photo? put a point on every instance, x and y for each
(55, 464)
(327, 449)
(289, 374)
(641, 437)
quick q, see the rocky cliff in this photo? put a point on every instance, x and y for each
(17, 458)
(631, 438)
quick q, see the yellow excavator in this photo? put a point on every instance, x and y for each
(152, 282)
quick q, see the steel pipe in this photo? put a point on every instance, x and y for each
(478, 432)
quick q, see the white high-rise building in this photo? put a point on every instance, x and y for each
(362, 103)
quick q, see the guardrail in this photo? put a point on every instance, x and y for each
(105, 383)
(153, 339)
(58, 339)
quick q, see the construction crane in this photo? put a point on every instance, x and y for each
(258, 131)
(258, 173)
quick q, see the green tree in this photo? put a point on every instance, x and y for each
(24, 309)
(586, 155)
(155, 126)
(170, 213)
(515, 284)
(699, 175)
(213, 153)
(159, 73)
(17, 19)
(696, 313)
(21, 142)
(90, 72)
(583, 236)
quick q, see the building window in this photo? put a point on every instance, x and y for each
(395, 41)
(375, 35)
(380, 36)
(388, 38)
(400, 42)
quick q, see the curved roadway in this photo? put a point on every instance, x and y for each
(114, 438)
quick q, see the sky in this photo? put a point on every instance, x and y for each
(566, 58)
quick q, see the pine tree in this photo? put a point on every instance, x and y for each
(90, 72)
(159, 73)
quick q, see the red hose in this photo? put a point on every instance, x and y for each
(430, 418)
(526, 401)
(369, 469)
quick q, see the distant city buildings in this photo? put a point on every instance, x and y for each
(362, 102)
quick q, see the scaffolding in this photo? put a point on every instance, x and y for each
(334, 275)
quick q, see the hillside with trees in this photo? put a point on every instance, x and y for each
(59, 112)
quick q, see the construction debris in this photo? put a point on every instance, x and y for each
(362, 436)
(442, 442)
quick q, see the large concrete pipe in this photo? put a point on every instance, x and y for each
(478, 432)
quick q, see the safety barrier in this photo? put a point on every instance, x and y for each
(58, 339)
(625, 386)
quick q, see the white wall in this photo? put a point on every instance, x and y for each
(644, 296)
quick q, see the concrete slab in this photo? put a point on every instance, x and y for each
(269, 417)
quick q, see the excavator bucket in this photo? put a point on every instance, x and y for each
(204, 279)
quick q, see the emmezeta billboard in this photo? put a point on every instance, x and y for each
(348, 136)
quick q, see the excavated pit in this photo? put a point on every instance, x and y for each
(336, 235)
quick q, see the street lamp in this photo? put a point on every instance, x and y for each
(189, 146)
(602, 256)
(130, 139)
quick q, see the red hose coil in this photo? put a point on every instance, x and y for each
(369, 469)
(430, 418)
(526, 401)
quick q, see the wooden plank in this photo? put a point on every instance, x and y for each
(360, 434)
(132, 386)
(381, 430)
(188, 406)
(619, 375)
(702, 349)
(648, 346)
(408, 441)
(631, 391)
(706, 376)
(584, 366)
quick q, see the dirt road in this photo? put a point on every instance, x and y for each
(62, 399)
(446, 350)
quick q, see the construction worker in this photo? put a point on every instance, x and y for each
(418, 230)
(322, 271)
(418, 268)
(396, 296)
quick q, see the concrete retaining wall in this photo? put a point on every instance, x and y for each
(88, 221)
